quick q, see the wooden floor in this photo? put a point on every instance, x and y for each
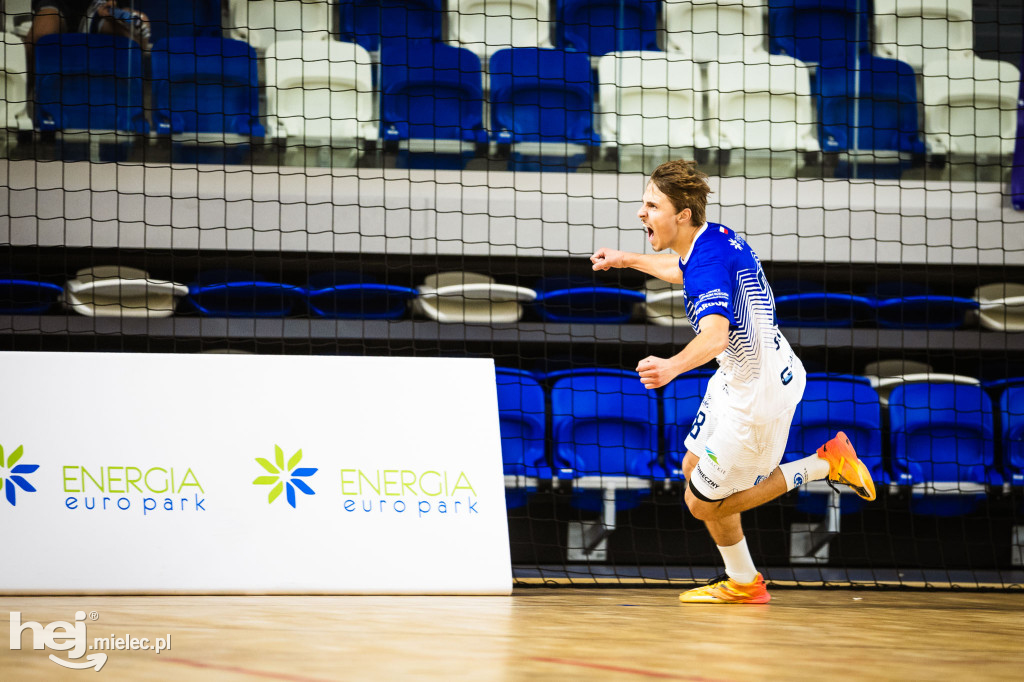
(556, 634)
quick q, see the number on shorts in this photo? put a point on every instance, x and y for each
(697, 423)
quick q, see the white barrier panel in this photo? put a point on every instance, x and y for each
(150, 473)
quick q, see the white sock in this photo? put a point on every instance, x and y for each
(738, 564)
(804, 470)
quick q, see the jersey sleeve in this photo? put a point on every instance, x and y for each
(709, 288)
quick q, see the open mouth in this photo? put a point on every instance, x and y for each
(650, 233)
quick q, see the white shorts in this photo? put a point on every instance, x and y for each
(733, 454)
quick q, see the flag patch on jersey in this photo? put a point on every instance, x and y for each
(723, 230)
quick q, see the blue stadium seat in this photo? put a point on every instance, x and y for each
(431, 90)
(205, 85)
(348, 295)
(572, 300)
(823, 309)
(541, 95)
(89, 82)
(368, 22)
(819, 31)
(522, 412)
(837, 402)
(604, 424)
(22, 296)
(181, 18)
(1011, 411)
(868, 103)
(928, 311)
(942, 437)
(681, 400)
(601, 26)
(230, 293)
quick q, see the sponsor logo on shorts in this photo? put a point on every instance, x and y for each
(704, 477)
(758, 480)
(798, 479)
(714, 458)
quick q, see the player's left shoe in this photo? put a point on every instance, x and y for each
(724, 590)
(845, 467)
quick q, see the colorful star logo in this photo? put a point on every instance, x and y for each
(12, 474)
(285, 478)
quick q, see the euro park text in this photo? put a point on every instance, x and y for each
(133, 481)
(405, 483)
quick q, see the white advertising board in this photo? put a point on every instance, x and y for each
(154, 473)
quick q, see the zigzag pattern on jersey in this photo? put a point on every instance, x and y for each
(754, 328)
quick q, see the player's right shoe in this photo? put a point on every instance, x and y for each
(724, 590)
(845, 467)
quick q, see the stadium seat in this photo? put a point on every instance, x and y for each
(651, 99)
(578, 301)
(470, 297)
(665, 303)
(205, 85)
(368, 22)
(823, 309)
(896, 367)
(14, 85)
(118, 291)
(230, 293)
(486, 26)
(601, 26)
(943, 442)
(181, 18)
(522, 414)
(762, 106)
(89, 82)
(24, 296)
(261, 23)
(715, 30)
(835, 402)
(604, 425)
(431, 91)
(1001, 306)
(1011, 411)
(928, 311)
(18, 16)
(885, 385)
(681, 400)
(970, 106)
(868, 104)
(349, 295)
(540, 95)
(919, 31)
(320, 92)
(822, 32)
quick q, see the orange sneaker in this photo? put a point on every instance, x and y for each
(845, 467)
(724, 590)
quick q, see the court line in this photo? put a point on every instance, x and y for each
(245, 671)
(621, 669)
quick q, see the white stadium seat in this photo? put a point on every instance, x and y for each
(651, 98)
(264, 22)
(320, 90)
(486, 26)
(13, 92)
(1002, 306)
(970, 105)
(716, 30)
(917, 31)
(17, 16)
(115, 291)
(460, 297)
(765, 105)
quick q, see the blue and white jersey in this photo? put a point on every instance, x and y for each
(722, 276)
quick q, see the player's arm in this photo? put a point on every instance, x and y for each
(711, 342)
(661, 265)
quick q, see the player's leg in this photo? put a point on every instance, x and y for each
(765, 491)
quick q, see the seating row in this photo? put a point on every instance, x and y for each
(322, 89)
(467, 297)
(600, 427)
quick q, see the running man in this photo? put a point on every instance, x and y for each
(739, 435)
